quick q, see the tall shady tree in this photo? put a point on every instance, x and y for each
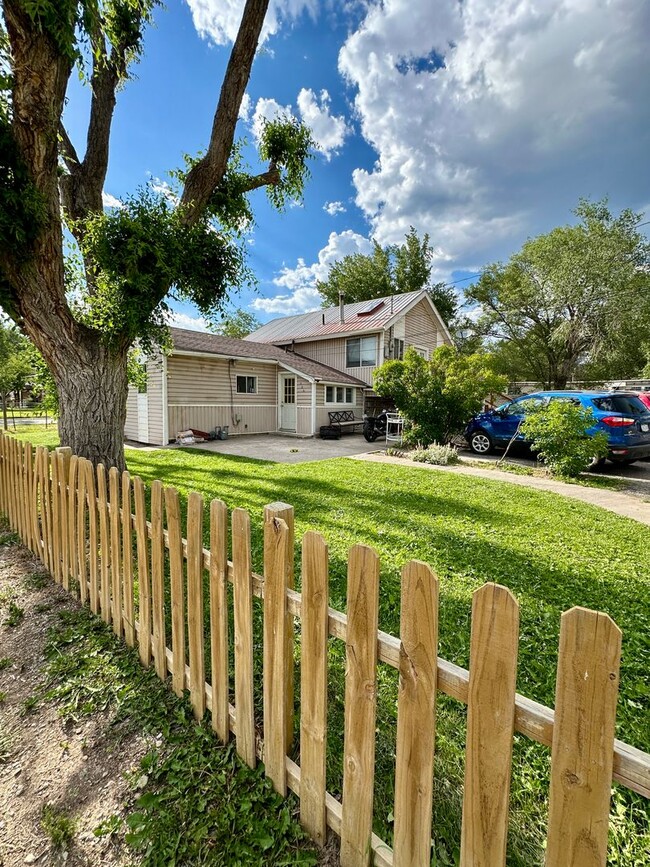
(133, 256)
(564, 300)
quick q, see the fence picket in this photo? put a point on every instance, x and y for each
(158, 580)
(128, 617)
(55, 494)
(27, 489)
(313, 686)
(82, 564)
(583, 739)
(63, 456)
(93, 536)
(104, 545)
(219, 618)
(416, 716)
(177, 589)
(144, 584)
(276, 558)
(243, 639)
(116, 554)
(490, 726)
(73, 484)
(46, 496)
(33, 502)
(195, 602)
(20, 490)
(360, 706)
(285, 512)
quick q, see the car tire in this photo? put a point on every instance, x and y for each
(596, 464)
(480, 442)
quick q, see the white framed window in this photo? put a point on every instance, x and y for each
(246, 385)
(422, 351)
(361, 351)
(337, 394)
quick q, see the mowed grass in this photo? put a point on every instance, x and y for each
(551, 552)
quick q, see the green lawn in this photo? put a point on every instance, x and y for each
(552, 553)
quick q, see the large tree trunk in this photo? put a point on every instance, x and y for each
(92, 403)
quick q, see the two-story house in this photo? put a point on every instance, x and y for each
(283, 378)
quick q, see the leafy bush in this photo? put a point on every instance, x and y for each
(442, 455)
(559, 433)
(437, 396)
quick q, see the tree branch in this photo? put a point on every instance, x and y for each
(67, 150)
(206, 175)
(269, 178)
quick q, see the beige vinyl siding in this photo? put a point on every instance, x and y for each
(198, 379)
(332, 352)
(155, 400)
(303, 407)
(200, 396)
(421, 328)
(131, 424)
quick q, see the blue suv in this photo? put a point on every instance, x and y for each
(622, 416)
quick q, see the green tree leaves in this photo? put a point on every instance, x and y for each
(439, 396)
(390, 270)
(565, 298)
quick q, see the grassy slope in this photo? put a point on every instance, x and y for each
(552, 553)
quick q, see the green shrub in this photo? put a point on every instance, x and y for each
(442, 455)
(558, 432)
(440, 395)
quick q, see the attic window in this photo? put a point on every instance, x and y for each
(370, 308)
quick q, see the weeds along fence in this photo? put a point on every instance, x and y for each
(92, 531)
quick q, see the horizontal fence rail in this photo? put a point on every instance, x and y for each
(79, 521)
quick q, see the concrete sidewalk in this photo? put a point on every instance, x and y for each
(621, 504)
(286, 449)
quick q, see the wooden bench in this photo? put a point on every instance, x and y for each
(344, 420)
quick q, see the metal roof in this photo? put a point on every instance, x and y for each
(362, 316)
(230, 347)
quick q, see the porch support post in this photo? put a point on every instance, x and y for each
(313, 408)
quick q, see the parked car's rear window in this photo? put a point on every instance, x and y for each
(625, 403)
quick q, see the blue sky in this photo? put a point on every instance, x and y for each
(479, 122)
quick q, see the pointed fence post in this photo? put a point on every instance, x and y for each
(490, 726)
(416, 716)
(582, 753)
(285, 512)
(360, 707)
(276, 556)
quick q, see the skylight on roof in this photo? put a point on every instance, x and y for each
(376, 304)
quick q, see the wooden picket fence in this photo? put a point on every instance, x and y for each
(82, 523)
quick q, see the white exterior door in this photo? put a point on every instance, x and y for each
(143, 418)
(287, 402)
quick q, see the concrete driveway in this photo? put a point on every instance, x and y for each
(288, 450)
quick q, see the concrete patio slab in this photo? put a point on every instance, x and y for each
(288, 450)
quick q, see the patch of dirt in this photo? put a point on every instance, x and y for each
(81, 769)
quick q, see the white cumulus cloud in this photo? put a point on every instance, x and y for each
(300, 281)
(183, 320)
(334, 208)
(219, 20)
(329, 131)
(490, 118)
(109, 201)
(245, 108)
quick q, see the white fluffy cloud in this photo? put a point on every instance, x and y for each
(329, 131)
(245, 108)
(334, 208)
(109, 201)
(182, 320)
(218, 20)
(302, 295)
(491, 117)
